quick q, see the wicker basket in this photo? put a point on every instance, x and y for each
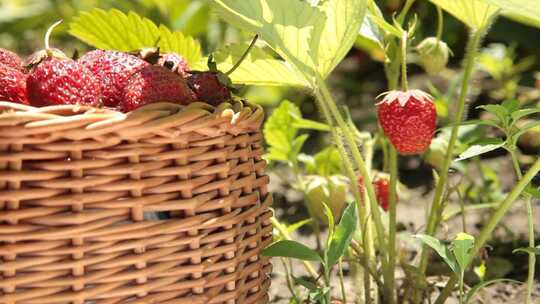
(167, 204)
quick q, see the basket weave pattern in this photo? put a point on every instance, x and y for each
(167, 204)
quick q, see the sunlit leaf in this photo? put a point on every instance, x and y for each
(462, 245)
(526, 11)
(258, 68)
(279, 133)
(117, 31)
(475, 14)
(314, 38)
(476, 150)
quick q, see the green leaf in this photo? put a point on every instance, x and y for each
(258, 68)
(495, 109)
(279, 133)
(524, 112)
(470, 294)
(307, 284)
(297, 145)
(533, 250)
(295, 226)
(476, 150)
(302, 123)
(325, 163)
(535, 192)
(117, 31)
(531, 126)
(511, 105)
(331, 222)
(475, 14)
(314, 38)
(525, 11)
(291, 249)
(441, 249)
(462, 245)
(342, 235)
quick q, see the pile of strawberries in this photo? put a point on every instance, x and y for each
(104, 78)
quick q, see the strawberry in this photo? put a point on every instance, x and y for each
(55, 79)
(59, 81)
(174, 62)
(154, 84)
(209, 87)
(408, 119)
(10, 59)
(382, 192)
(12, 85)
(112, 69)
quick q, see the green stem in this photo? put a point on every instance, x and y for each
(404, 83)
(530, 222)
(461, 275)
(439, 23)
(342, 282)
(362, 208)
(404, 11)
(433, 219)
(288, 279)
(392, 214)
(326, 97)
(492, 223)
(244, 55)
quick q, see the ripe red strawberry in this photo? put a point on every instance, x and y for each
(174, 62)
(408, 119)
(382, 192)
(59, 81)
(55, 79)
(112, 69)
(10, 59)
(154, 84)
(12, 85)
(208, 87)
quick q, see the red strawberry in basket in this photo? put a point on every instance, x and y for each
(408, 119)
(210, 87)
(12, 85)
(112, 69)
(214, 87)
(10, 59)
(55, 79)
(154, 84)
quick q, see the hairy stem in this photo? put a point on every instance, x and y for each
(492, 223)
(404, 83)
(324, 94)
(530, 224)
(440, 21)
(392, 215)
(342, 282)
(434, 218)
(363, 210)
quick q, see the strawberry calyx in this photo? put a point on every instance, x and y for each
(404, 96)
(39, 56)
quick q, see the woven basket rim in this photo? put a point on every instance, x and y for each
(234, 117)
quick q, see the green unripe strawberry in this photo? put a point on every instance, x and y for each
(437, 152)
(331, 190)
(433, 55)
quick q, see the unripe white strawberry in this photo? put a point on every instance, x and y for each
(433, 55)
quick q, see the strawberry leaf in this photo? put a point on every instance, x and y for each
(312, 37)
(527, 12)
(258, 68)
(115, 30)
(476, 14)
